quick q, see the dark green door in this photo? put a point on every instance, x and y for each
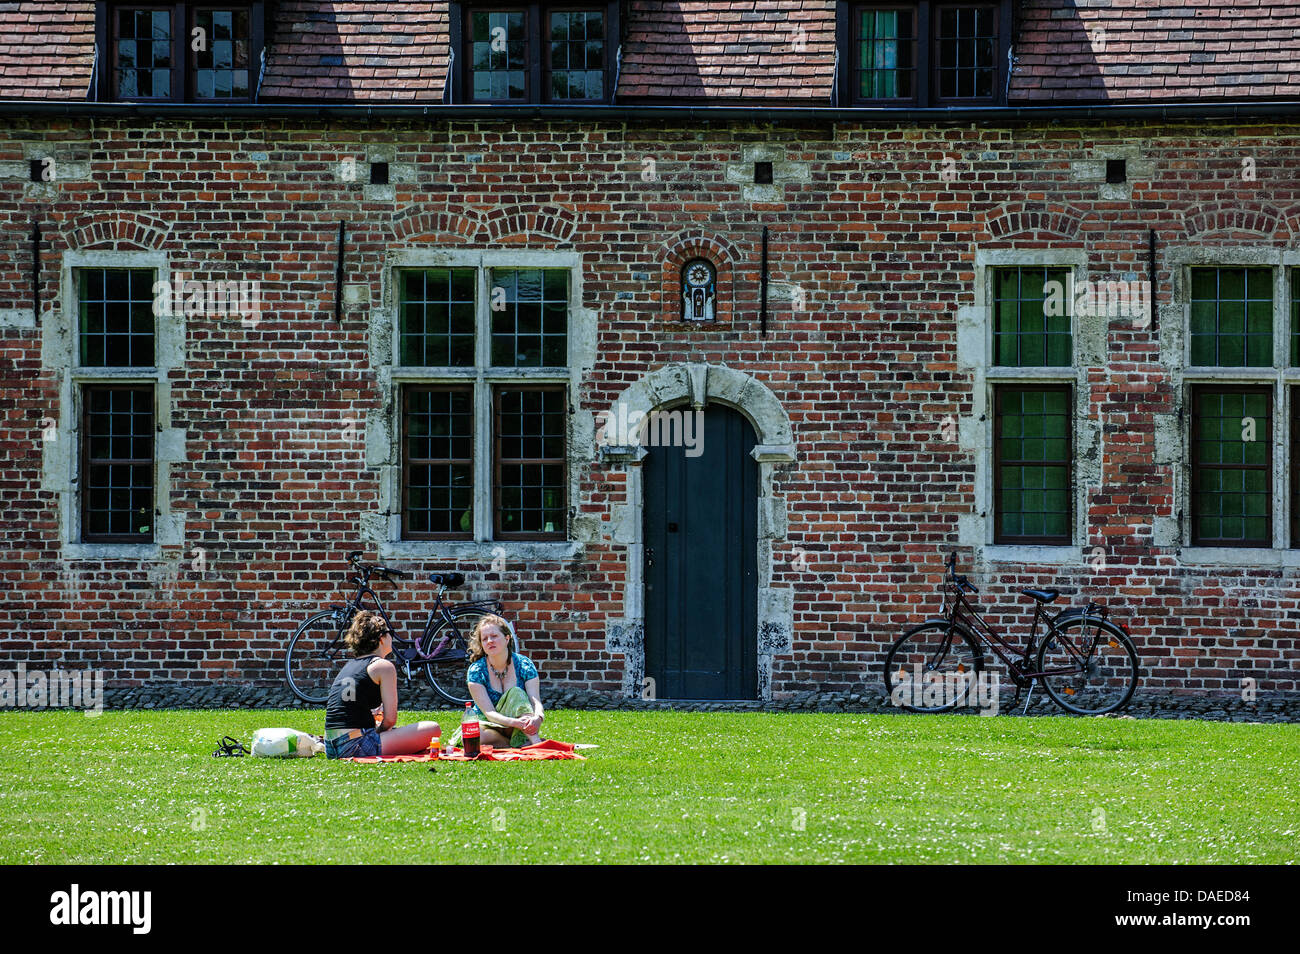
(701, 554)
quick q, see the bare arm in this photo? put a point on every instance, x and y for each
(386, 674)
(532, 689)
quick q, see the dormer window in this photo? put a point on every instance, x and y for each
(178, 52)
(534, 52)
(142, 53)
(923, 53)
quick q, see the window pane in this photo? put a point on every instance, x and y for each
(1025, 334)
(117, 463)
(1295, 318)
(438, 429)
(886, 45)
(1231, 460)
(966, 52)
(1294, 475)
(498, 54)
(115, 308)
(531, 434)
(576, 55)
(530, 329)
(437, 317)
(221, 69)
(142, 47)
(1231, 317)
(1033, 477)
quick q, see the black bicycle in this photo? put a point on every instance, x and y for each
(1086, 661)
(317, 650)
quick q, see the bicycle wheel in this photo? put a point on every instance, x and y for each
(1091, 664)
(447, 673)
(314, 656)
(933, 668)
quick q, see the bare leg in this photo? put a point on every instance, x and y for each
(408, 740)
(493, 738)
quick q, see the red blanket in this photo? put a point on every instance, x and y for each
(546, 749)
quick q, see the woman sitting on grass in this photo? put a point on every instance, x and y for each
(364, 685)
(504, 687)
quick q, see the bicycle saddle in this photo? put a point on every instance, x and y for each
(451, 580)
(1043, 596)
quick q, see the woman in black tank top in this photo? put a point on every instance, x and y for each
(365, 687)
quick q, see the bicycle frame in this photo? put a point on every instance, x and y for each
(964, 614)
(439, 614)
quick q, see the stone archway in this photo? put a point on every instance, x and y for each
(698, 384)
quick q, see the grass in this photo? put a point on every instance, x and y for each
(142, 787)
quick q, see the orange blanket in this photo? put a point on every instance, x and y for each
(546, 749)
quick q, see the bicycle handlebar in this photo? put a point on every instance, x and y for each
(960, 581)
(387, 572)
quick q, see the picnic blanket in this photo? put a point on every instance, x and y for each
(546, 749)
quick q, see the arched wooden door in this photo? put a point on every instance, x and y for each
(701, 563)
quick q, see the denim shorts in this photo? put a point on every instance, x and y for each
(363, 745)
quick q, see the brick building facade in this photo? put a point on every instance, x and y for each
(881, 246)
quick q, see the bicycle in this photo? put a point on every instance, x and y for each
(1086, 662)
(316, 650)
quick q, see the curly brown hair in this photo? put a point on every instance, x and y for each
(476, 643)
(364, 634)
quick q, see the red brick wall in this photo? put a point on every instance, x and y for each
(881, 244)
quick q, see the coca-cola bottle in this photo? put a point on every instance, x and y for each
(469, 732)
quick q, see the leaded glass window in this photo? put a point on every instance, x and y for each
(1027, 333)
(1032, 464)
(1232, 317)
(1232, 483)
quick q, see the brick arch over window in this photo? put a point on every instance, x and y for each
(457, 227)
(536, 225)
(718, 252)
(1255, 219)
(120, 231)
(1023, 219)
(697, 384)
(1291, 219)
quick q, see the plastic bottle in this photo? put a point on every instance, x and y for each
(469, 732)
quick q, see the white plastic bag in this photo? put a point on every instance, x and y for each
(285, 744)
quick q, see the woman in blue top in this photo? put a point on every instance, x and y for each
(504, 686)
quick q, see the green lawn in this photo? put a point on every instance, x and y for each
(142, 787)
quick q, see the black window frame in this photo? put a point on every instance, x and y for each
(408, 389)
(562, 533)
(926, 17)
(86, 462)
(79, 276)
(182, 58)
(1294, 475)
(537, 30)
(1218, 337)
(1070, 464)
(1195, 467)
(1015, 332)
(1293, 309)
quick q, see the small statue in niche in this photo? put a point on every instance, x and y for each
(699, 290)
